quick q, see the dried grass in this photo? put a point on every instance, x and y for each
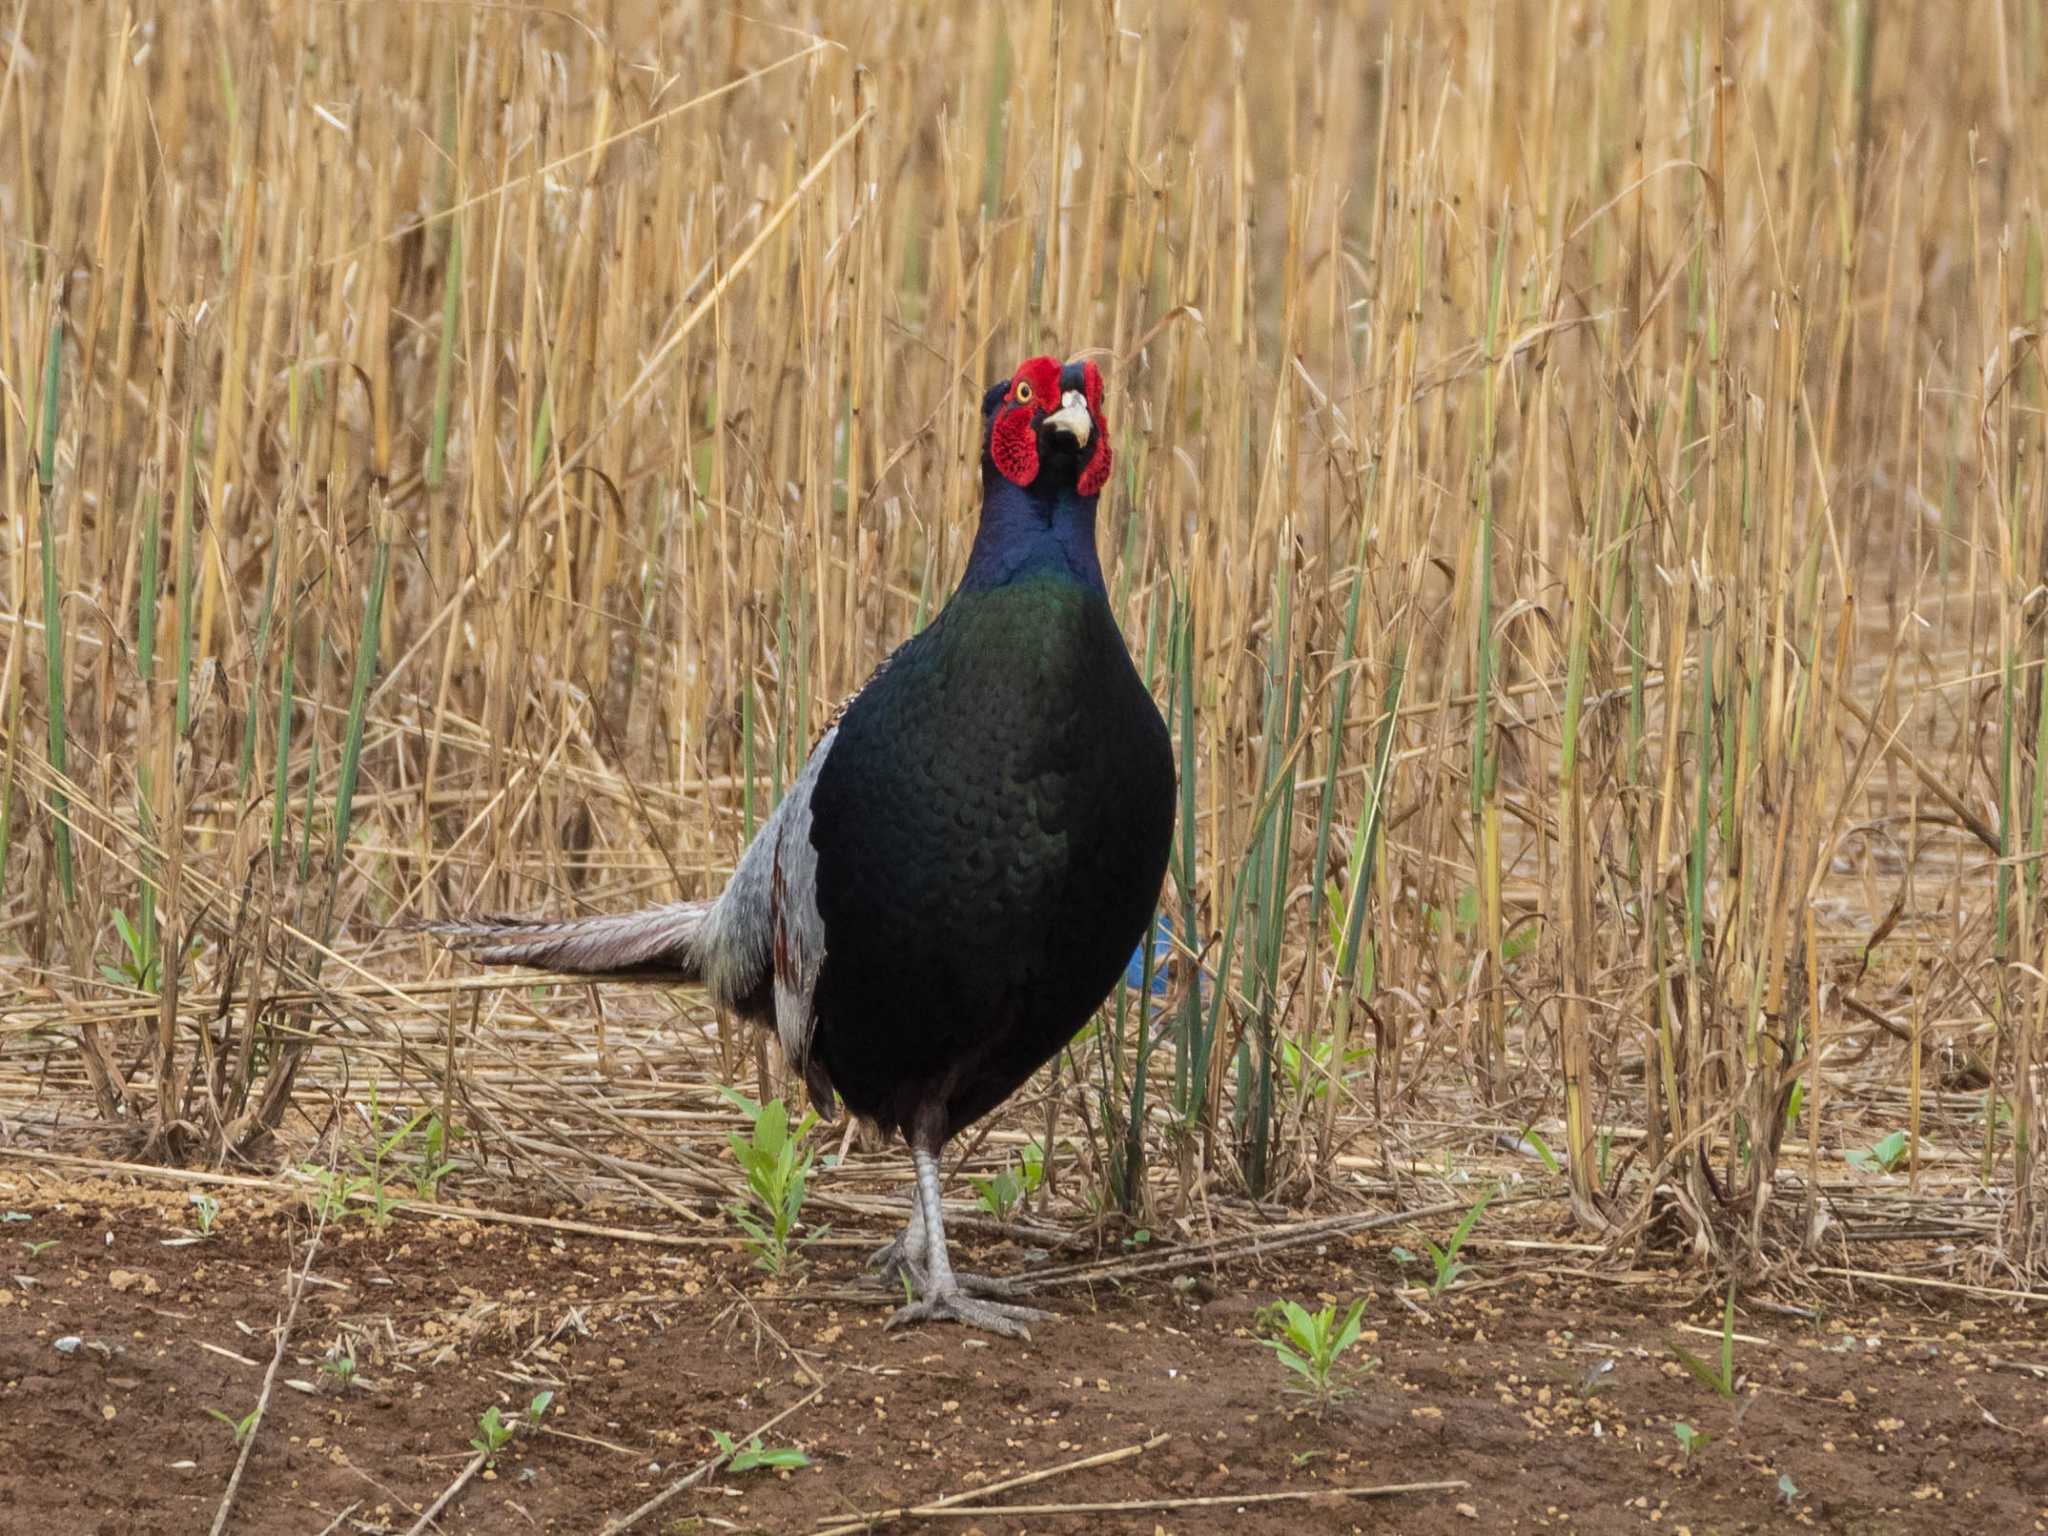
(1583, 468)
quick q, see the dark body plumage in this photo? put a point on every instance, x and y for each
(953, 883)
(992, 826)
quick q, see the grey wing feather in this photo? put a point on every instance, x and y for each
(800, 933)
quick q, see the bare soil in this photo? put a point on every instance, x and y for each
(1885, 1414)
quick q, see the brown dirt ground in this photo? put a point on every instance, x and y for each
(1887, 1415)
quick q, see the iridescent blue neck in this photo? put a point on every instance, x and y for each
(1028, 532)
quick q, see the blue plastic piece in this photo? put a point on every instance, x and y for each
(1162, 948)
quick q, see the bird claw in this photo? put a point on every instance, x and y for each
(891, 1261)
(894, 1263)
(957, 1306)
(895, 1268)
(992, 1286)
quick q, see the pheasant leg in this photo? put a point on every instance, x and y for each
(944, 1295)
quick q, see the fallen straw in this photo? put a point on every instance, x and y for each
(951, 1500)
(1125, 1506)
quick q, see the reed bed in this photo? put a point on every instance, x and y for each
(1579, 502)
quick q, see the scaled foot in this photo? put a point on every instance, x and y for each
(957, 1306)
(895, 1265)
(900, 1259)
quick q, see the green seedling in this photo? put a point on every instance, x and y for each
(140, 964)
(494, 1433)
(206, 1209)
(1788, 1491)
(1449, 1269)
(778, 1167)
(752, 1455)
(367, 1190)
(331, 1192)
(437, 1139)
(1308, 1071)
(238, 1428)
(340, 1363)
(1002, 1193)
(1723, 1380)
(1312, 1345)
(1531, 1141)
(1886, 1156)
(381, 1204)
(426, 1168)
(1690, 1441)
(36, 1250)
(999, 1194)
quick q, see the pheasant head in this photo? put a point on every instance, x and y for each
(1043, 427)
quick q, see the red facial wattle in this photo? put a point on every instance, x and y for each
(1095, 473)
(1013, 443)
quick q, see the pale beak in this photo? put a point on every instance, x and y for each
(1072, 417)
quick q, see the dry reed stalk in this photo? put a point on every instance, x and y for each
(1667, 402)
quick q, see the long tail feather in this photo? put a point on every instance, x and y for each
(659, 944)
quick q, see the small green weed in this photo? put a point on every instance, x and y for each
(437, 1140)
(1690, 1441)
(1312, 1345)
(494, 1431)
(752, 1455)
(1002, 1193)
(206, 1210)
(340, 1364)
(1449, 1268)
(390, 1157)
(238, 1428)
(141, 962)
(778, 1167)
(1531, 1140)
(1308, 1072)
(1723, 1380)
(382, 1206)
(37, 1250)
(425, 1167)
(1885, 1156)
(330, 1192)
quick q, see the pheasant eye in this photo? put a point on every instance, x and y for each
(1023, 391)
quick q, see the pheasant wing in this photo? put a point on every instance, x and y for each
(799, 932)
